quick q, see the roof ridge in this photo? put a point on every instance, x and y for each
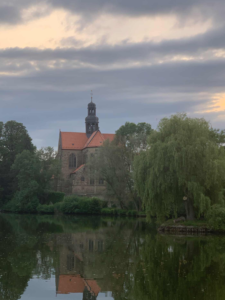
(91, 138)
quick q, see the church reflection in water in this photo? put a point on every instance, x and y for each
(78, 269)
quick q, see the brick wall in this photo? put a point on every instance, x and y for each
(66, 170)
(84, 187)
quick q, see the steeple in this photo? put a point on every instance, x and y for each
(91, 121)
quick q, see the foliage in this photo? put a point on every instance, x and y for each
(184, 159)
(46, 209)
(25, 173)
(33, 177)
(50, 167)
(80, 205)
(216, 218)
(134, 136)
(114, 161)
(13, 140)
(23, 203)
(52, 197)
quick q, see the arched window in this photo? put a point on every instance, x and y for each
(101, 181)
(72, 161)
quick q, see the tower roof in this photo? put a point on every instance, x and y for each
(91, 104)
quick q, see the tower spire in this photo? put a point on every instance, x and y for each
(91, 120)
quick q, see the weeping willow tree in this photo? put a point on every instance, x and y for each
(185, 162)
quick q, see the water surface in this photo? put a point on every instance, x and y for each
(88, 258)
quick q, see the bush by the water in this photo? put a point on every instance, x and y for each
(70, 205)
(51, 197)
(46, 209)
(80, 205)
(216, 218)
(21, 205)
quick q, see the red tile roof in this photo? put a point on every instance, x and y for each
(93, 286)
(96, 140)
(70, 284)
(73, 140)
(75, 284)
(77, 169)
(109, 136)
(79, 141)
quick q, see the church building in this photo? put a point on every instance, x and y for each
(74, 149)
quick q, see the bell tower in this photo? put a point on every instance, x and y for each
(91, 121)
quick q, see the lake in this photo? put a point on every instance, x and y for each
(88, 258)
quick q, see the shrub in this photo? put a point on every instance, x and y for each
(216, 217)
(45, 209)
(121, 212)
(106, 211)
(80, 205)
(18, 205)
(132, 213)
(49, 197)
(104, 204)
(55, 197)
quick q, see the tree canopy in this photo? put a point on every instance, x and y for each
(14, 138)
(185, 163)
(114, 163)
(25, 172)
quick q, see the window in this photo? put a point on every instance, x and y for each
(100, 246)
(101, 181)
(70, 262)
(82, 178)
(91, 245)
(72, 161)
(92, 181)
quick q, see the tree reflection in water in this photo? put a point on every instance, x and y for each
(98, 257)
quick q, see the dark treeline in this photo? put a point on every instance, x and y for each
(25, 172)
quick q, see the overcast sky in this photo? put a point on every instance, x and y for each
(144, 60)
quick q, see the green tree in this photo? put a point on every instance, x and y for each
(13, 140)
(50, 167)
(114, 161)
(34, 176)
(133, 136)
(184, 163)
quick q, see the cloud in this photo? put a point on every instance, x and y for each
(48, 89)
(146, 52)
(90, 9)
(54, 99)
(9, 15)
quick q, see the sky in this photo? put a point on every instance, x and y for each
(39, 289)
(144, 60)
